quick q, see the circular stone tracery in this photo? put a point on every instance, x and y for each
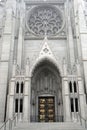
(45, 20)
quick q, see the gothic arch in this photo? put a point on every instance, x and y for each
(46, 80)
(51, 60)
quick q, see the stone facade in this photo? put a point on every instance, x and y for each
(43, 53)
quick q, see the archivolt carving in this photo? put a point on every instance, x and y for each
(45, 20)
(46, 78)
(47, 82)
(50, 60)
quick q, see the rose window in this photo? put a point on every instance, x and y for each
(45, 20)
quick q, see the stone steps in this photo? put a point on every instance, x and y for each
(49, 126)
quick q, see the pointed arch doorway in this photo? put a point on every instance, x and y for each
(46, 93)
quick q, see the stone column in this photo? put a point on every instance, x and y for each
(29, 98)
(21, 35)
(82, 99)
(78, 44)
(11, 105)
(7, 41)
(11, 98)
(70, 42)
(66, 100)
(26, 102)
(27, 95)
(14, 69)
(83, 36)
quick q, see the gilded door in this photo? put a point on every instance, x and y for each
(46, 111)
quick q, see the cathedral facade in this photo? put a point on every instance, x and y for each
(43, 60)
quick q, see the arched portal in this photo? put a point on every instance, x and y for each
(46, 93)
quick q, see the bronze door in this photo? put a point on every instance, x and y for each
(46, 109)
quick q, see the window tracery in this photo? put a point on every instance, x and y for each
(45, 20)
(73, 96)
(19, 91)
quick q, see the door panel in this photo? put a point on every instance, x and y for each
(46, 109)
